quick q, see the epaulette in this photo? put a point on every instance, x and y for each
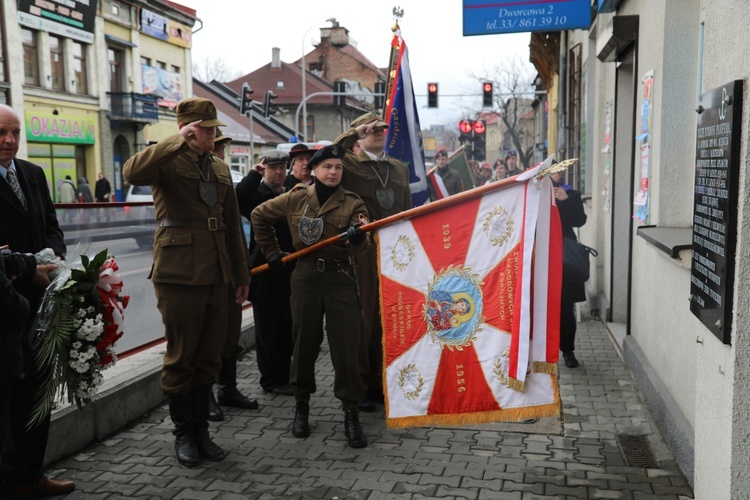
(298, 187)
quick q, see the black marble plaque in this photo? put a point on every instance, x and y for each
(717, 151)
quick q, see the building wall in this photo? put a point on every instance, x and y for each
(696, 388)
(723, 382)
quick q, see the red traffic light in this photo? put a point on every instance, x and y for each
(432, 88)
(487, 87)
(464, 126)
(479, 127)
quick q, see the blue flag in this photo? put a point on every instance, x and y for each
(404, 132)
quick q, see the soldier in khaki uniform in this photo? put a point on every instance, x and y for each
(323, 284)
(198, 253)
(383, 184)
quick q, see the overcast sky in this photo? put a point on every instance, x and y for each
(243, 32)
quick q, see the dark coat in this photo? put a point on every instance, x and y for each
(102, 188)
(572, 215)
(14, 314)
(29, 231)
(84, 190)
(272, 285)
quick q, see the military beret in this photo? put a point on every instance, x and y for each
(274, 156)
(196, 108)
(368, 118)
(299, 149)
(441, 153)
(326, 153)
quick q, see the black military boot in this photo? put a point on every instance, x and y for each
(228, 393)
(353, 430)
(215, 413)
(300, 426)
(181, 412)
(206, 447)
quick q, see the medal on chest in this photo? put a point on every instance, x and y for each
(310, 230)
(208, 191)
(384, 194)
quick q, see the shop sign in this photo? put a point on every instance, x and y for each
(239, 150)
(48, 127)
(71, 19)
(179, 34)
(152, 24)
(523, 16)
(157, 26)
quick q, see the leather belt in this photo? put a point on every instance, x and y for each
(211, 223)
(328, 265)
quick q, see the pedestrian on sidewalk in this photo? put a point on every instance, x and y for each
(323, 284)
(570, 208)
(229, 395)
(270, 291)
(198, 253)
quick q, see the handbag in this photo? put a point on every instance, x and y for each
(576, 261)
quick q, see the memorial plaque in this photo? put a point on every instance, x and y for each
(717, 152)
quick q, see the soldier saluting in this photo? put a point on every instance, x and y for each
(198, 252)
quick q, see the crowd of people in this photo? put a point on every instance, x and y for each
(201, 275)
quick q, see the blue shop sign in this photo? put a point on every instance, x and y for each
(485, 17)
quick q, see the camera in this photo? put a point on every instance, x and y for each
(18, 264)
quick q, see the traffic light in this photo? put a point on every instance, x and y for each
(432, 95)
(270, 96)
(480, 140)
(464, 127)
(487, 94)
(246, 99)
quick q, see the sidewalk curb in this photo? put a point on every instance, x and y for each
(131, 389)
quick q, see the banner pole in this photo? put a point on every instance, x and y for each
(407, 214)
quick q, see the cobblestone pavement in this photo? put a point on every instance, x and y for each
(600, 401)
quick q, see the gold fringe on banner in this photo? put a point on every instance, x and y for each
(503, 415)
(544, 367)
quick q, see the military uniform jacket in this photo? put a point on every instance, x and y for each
(451, 181)
(273, 285)
(341, 210)
(360, 178)
(190, 255)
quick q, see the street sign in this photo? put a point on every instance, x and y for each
(519, 16)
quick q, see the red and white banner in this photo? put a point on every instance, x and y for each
(470, 301)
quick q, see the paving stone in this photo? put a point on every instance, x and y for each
(600, 400)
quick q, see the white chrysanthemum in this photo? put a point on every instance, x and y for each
(76, 345)
(74, 354)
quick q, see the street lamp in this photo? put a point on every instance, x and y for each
(304, 75)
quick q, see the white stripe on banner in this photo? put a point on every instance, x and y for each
(541, 271)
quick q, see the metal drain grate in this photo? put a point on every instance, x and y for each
(636, 451)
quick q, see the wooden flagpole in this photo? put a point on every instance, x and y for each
(407, 214)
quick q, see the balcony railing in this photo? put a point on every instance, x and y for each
(132, 107)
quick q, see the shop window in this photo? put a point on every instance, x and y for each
(30, 57)
(116, 74)
(238, 163)
(56, 62)
(79, 67)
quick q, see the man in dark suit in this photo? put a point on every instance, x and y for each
(29, 224)
(270, 292)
